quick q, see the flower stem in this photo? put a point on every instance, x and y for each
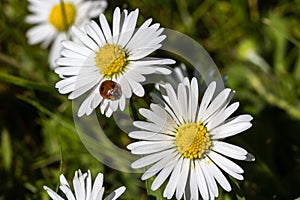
(157, 193)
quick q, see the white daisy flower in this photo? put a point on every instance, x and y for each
(83, 188)
(182, 141)
(53, 20)
(110, 65)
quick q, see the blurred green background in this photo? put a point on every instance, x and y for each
(254, 43)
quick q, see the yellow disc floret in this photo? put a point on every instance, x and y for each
(192, 140)
(62, 16)
(111, 60)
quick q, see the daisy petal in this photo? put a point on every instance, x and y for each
(228, 166)
(171, 186)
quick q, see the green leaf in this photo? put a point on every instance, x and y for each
(157, 193)
(26, 83)
(237, 189)
(6, 149)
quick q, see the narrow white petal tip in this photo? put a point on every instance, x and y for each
(80, 114)
(118, 192)
(130, 146)
(45, 187)
(121, 189)
(172, 62)
(250, 157)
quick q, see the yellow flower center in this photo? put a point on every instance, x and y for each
(62, 16)
(192, 140)
(111, 60)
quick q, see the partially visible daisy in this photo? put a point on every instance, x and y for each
(117, 58)
(183, 141)
(83, 188)
(53, 19)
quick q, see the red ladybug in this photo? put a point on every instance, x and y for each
(110, 90)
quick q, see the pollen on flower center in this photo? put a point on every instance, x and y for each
(192, 140)
(62, 16)
(111, 59)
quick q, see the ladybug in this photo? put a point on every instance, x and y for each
(110, 90)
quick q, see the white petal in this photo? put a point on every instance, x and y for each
(97, 190)
(53, 195)
(240, 118)
(162, 70)
(108, 112)
(78, 48)
(170, 123)
(66, 85)
(149, 126)
(34, 19)
(144, 70)
(67, 191)
(118, 192)
(55, 50)
(146, 135)
(122, 103)
(162, 119)
(99, 32)
(104, 105)
(69, 71)
(182, 100)
(105, 28)
(136, 88)
(194, 93)
(183, 176)
(139, 35)
(193, 182)
(75, 62)
(150, 159)
(94, 35)
(114, 105)
(228, 130)
(207, 97)
(146, 36)
(88, 185)
(132, 74)
(81, 89)
(211, 183)
(128, 28)
(229, 150)
(78, 184)
(152, 147)
(96, 7)
(163, 175)
(228, 166)
(85, 107)
(201, 182)
(152, 61)
(173, 181)
(230, 109)
(84, 38)
(72, 54)
(216, 104)
(39, 33)
(137, 54)
(154, 169)
(116, 24)
(125, 87)
(174, 104)
(218, 175)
